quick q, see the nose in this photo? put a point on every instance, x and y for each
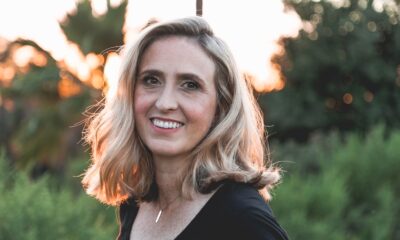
(167, 100)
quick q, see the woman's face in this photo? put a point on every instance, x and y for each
(175, 96)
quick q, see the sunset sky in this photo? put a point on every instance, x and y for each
(250, 27)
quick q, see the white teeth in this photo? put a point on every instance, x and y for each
(166, 124)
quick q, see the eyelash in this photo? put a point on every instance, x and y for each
(195, 85)
(150, 80)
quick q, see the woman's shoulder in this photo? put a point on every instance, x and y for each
(250, 212)
(241, 196)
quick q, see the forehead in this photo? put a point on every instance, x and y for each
(172, 41)
(179, 52)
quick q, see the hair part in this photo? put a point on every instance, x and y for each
(233, 150)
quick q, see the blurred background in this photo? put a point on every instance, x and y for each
(326, 75)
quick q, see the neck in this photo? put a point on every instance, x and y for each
(169, 172)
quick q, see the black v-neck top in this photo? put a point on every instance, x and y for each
(235, 212)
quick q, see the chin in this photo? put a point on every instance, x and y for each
(168, 152)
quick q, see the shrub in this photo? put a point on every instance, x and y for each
(36, 209)
(341, 189)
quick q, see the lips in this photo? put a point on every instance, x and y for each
(166, 124)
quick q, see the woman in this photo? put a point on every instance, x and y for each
(180, 145)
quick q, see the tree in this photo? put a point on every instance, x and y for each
(342, 71)
(45, 99)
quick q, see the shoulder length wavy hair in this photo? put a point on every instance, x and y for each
(234, 149)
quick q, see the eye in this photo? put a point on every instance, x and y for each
(191, 85)
(151, 80)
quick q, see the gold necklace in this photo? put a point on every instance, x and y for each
(162, 209)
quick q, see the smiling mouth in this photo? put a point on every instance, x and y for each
(166, 124)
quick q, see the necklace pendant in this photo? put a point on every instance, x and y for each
(158, 216)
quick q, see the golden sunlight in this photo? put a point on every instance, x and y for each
(23, 56)
(252, 31)
(6, 74)
(67, 88)
(77, 62)
(111, 68)
(250, 28)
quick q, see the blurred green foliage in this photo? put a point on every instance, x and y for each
(338, 188)
(40, 209)
(39, 125)
(95, 34)
(41, 108)
(342, 71)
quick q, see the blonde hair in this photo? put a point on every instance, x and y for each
(234, 149)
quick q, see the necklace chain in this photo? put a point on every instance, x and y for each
(165, 207)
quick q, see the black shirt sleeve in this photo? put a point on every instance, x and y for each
(255, 223)
(252, 216)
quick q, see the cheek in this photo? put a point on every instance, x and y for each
(203, 113)
(141, 105)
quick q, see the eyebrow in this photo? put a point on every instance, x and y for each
(181, 76)
(151, 72)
